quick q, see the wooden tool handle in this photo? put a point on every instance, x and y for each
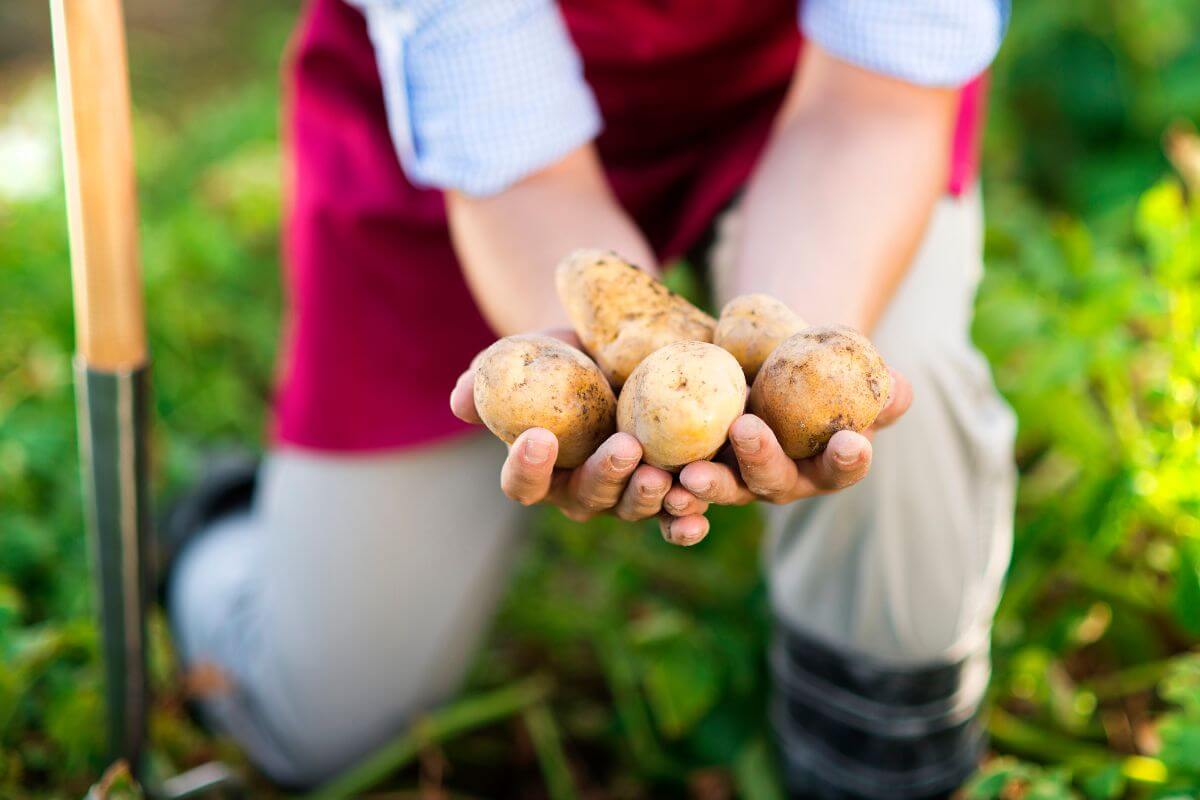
(97, 141)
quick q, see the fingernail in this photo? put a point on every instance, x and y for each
(846, 454)
(536, 452)
(621, 462)
(649, 489)
(672, 506)
(748, 444)
(695, 486)
(689, 538)
(666, 533)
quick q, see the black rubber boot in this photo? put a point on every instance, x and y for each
(226, 485)
(849, 728)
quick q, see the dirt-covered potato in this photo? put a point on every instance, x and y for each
(753, 325)
(524, 382)
(621, 313)
(680, 401)
(818, 382)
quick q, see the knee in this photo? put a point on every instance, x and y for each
(945, 492)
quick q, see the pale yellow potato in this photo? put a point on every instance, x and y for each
(524, 382)
(753, 325)
(623, 314)
(680, 401)
(818, 382)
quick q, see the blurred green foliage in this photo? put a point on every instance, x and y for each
(1088, 314)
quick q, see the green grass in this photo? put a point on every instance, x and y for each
(1088, 314)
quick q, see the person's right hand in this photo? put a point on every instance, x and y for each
(611, 480)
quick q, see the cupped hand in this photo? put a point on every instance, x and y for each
(760, 470)
(612, 480)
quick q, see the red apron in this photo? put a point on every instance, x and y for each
(380, 321)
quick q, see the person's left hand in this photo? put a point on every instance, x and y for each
(760, 470)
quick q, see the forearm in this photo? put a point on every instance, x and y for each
(509, 243)
(836, 207)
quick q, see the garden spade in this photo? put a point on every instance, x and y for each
(112, 361)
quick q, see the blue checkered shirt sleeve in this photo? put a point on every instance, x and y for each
(927, 42)
(479, 93)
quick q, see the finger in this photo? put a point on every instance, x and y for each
(716, 483)
(683, 531)
(765, 468)
(529, 467)
(462, 398)
(845, 462)
(679, 502)
(597, 484)
(644, 493)
(898, 402)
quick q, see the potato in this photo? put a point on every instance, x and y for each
(753, 325)
(818, 382)
(621, 313)
(524, 382)
(680, 401)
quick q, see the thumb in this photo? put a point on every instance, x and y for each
(462, 398)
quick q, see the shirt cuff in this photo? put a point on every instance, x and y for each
(480, 94)
(941, 43)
